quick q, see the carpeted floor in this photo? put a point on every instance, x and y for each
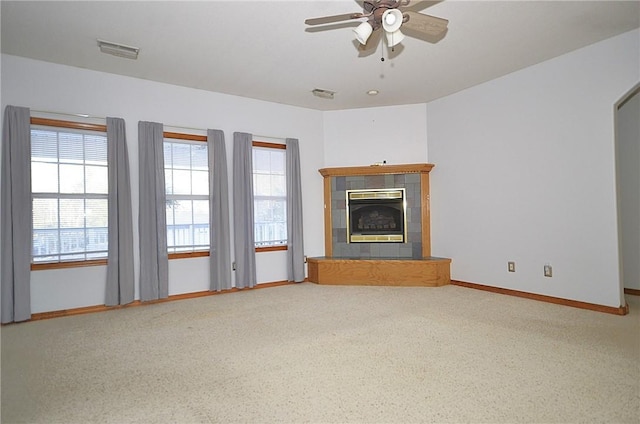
(330, 354)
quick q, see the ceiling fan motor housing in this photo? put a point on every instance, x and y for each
(378, 9)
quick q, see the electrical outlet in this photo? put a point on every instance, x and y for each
(511, 266)
(548, 271)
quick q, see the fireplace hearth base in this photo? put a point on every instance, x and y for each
(424, 272)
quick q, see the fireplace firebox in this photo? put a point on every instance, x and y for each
(376, 216)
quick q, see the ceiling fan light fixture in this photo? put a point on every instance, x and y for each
(392, 20)
(394, 38)
(363, 32)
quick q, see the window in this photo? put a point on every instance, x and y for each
(269, 195)
(69, 185)
(186, 167)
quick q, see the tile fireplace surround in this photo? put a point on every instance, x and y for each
(383, 263)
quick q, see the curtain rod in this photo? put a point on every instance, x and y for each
(183, 128)
(77, 115)
(204, 130)
(268, 136)
(84, 115)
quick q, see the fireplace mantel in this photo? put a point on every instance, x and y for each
(413, 168)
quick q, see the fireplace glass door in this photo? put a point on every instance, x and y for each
(376, 216)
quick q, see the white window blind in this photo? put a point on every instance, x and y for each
(187, 195)
(69, 184)
(269, 196)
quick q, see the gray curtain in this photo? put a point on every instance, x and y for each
(245, 253)
(120, 274)
(219, 238)
(154, 263)
(295, 248)
(16, 224)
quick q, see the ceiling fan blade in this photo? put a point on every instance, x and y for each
(425, 24)
(331, 19)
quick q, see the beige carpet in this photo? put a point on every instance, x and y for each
(309, 353)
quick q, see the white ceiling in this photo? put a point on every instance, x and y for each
(263, 50)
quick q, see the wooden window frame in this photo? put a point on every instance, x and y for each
(57, 123)
(186, 137)
(269, 145)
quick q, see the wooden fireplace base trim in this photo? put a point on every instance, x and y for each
(424, 272)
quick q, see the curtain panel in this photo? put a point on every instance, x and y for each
(120, 273)
(219, 237)
(243, 223)
(16, 224)
(295, 245)
(154, 261)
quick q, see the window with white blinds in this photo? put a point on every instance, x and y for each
(269, 194)
(186, 168)
(69, 185)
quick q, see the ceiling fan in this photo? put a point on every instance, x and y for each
(390, 16)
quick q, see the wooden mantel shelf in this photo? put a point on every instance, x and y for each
(412, 168)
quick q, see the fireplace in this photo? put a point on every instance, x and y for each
(350, 261)
(376, 216)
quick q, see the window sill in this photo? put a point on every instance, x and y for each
(62, 265)
(100, 262)
(270, 248)
(186, 255)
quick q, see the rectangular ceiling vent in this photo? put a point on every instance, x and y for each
(325, 94)
(119, 50)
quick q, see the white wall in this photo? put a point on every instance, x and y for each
(525, 171)
(358, 137)
(50, 87)
(524, 165)
(628, 167)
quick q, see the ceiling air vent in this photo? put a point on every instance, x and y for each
(119, 50)
(325, 94)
